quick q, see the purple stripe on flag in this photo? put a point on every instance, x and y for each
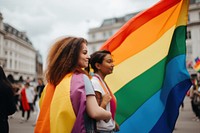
(78, 99)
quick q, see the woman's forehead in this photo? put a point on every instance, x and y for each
(108, 56)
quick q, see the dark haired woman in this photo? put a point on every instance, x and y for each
(102, 64)
(7, 102)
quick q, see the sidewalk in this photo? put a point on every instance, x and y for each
(17, 127)
(184, 124)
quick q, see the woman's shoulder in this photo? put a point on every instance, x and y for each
(95, 80)
(79, 76)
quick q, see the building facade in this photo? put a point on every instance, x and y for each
(97, 36)
(18, 57)
(193, 32)
(2, 34)
(39, 66)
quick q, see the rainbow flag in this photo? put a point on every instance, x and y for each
(197, 65)
(60, 112)
(150, 79)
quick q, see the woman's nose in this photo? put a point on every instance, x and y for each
(88, 56)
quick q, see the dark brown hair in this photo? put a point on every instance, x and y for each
(97, 57)
(3, 80)
(63, 58)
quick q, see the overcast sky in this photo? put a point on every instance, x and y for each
(46, 20)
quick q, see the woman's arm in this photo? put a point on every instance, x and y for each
(92, 107)
(95, 111)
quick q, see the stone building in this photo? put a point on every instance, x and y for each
(17, 54)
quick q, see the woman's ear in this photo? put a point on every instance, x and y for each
(97, 65)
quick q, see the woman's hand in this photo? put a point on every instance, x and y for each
(95, 111)
(116, 127)
(105, 100)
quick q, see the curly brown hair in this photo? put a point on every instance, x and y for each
(63, 58)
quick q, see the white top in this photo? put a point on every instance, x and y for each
(102, 125)
(30, 94)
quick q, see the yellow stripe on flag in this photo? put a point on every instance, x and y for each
(140, 62)
(62, 116)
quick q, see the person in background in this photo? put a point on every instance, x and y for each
(68, 103)
(40, 87)
(193, 96)
(102, 64)
(17, 90)
(27, 97)
(39, 90)
(7, 102)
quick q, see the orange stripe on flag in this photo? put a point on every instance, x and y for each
(43, 122)
(133, 43)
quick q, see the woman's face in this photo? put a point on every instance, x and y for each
(83, 57)
(107, 65)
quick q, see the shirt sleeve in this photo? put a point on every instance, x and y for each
(88, 86)
(97, 86)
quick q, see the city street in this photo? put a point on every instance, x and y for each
(16, 125)
(184, 124)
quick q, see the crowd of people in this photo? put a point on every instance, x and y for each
(26, 97)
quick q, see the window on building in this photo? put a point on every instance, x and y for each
(104, 34)
(189, 49)
(93, 36)
(6, 43)
(188, 36)
(109, 21)
(14, 32)
(199, 15)
(110, 33)
(9, 29)
(197, 1)
(5, 65)
(15, 64)
(10, 63)
(188, 17)
(127, 17)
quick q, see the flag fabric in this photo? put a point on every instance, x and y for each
(150, 78)
(60, 111)
(197, 64)
(24, 100)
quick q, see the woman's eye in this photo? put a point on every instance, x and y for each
(109, 61)
(84, 52)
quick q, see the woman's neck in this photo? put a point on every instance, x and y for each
(101, 75)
